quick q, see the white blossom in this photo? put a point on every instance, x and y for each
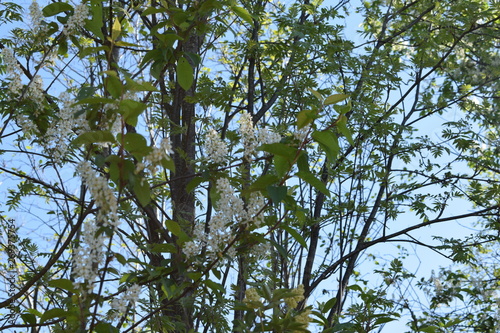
(26, 124)
(36, 16)
(155, 157)
(103, 195)
(247, 135)
(13, 71)
(252, 138)
(301, 134)
(76, 21)
(35, 91)
(215, 148)
(266, 136)
(261, 250)
(56, 138)
(88, 256)
(231, 212)
(191, 249)
(130, 296)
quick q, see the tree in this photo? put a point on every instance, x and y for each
(212, 166)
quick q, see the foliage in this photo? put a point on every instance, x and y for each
(216, 166)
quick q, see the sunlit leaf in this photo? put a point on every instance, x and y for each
(94, 137)
(185, 75)
(56, 8)
(242, 13)
(333, 99)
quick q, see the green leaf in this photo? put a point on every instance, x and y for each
(195, 58)
(62, 49)
(279, 248)
(185, 74)
(282, 165)
(132, 85)
(135, 144)
(113, 84)
(242, 13)
(303, 162)
(28, 318)
(173, 227)
(194, 183)
(277, 193)
(298, 237)
(92, 50)
(35, 312)
(216, 273)
(116, 29)
(214, 285)
(142, 191)
(309, 178)
(94, 25)
(114, 162)
(94, 137)
(64, 284)
(305, 117)
(56, 8)
(168, 38)
(120, 258)
(335, 98)
(131, 110)
(342, 128)
(343, 109)
(383, 320)
(163, 248)
(263, 182)
(344, 327)
(176, 230)
(328, 141)
(317, 94)
(280, 149)
(168, 163)
(103, 327)
(86, 92)
(53, 313)
(95, 100)
(152, 55)
(153, 10)
(329, 304)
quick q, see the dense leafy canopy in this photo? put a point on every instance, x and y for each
(247, 166)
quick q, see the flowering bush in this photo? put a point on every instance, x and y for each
(216, 166)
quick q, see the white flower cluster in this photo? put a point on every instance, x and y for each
(103, 195)
(116, 126)
(27, 125)
(36, 16)
(56, 138)
(76, 21)
(252, 299)
(13, 71)
(120, 304)
(215, 148)
(154, 158)
(231, 211)
(301, 134)
(90, 253)
(293, 301)
(247, 135)
(88, 256)
(261, 250)
(252, 138)
(35, 91)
